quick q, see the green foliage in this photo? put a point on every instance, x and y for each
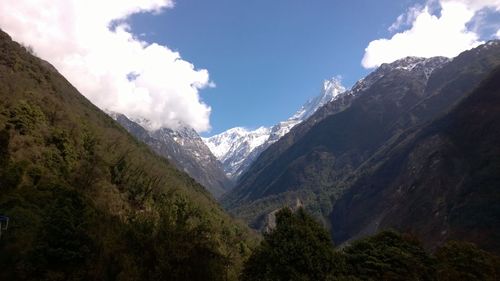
(299, 248)
(61, 140)
(10, 174)
(464, 261)
(389, 256)
(177, 245)
(4, 148)
(25, 117)
(62, 246)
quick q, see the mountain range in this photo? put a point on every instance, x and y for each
(335, 161)
(238, 147)
(413, 146)
(218, 161)
(439, 181)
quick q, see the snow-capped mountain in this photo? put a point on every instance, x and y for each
(234, 147)
(238, 147)
(416, 65)
(184, 148)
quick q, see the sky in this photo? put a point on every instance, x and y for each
(214, 65)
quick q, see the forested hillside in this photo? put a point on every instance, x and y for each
(87, 201)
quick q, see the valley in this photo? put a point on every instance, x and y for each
(105, 175)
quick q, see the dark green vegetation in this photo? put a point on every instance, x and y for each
(297, 248)
(375, 160)
(87, 201)
(300, 249)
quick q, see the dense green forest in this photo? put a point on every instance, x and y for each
(299, 248)
(87, 201)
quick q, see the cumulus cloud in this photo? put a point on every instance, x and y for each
(90, 43)
(477, 5)
(406, 18)
(428, 34)
(498, 34)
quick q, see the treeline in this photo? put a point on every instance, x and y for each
(299, 248)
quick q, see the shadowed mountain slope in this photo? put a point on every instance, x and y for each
(440, 182)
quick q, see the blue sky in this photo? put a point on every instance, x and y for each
(268, 57)
(155, 60)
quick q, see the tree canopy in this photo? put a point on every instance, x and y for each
(299, 248)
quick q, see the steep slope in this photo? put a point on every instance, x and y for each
(186, 150)
(237, 148)
(441, 182)
(87, 201)
(332, 145)
(319, 159)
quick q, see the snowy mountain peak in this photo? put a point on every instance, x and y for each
(333, 86)
(331, 89)
(407, 63)
(227, 143)
(411, 64)
(236, 148)
(415, 64)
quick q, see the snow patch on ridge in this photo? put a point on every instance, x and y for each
(238, 147)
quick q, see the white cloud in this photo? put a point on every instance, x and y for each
(477, 5)
(112, 68)
(430, 35)
(406, 18)
(498, 34)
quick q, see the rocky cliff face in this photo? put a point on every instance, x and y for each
(186, 150)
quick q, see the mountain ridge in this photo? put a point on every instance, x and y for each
(319, 159)
(185, 149)
(444, 170)
(238, 147)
